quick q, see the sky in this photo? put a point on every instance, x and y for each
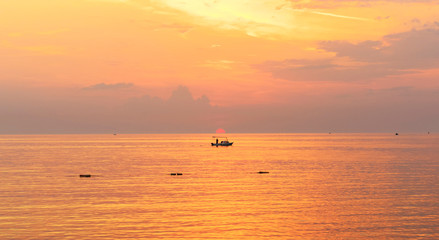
(181, 66)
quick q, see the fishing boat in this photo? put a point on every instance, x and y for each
(221, 141)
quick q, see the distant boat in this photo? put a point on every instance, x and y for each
(224, 142)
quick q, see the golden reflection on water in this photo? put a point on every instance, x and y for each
(319, 186)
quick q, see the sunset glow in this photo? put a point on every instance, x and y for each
(283, 65)
(220, 130)
(219, 119)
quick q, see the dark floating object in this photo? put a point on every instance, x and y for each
(85, 175)
(174, 174)
(224, 142)
(262, 172)
(396, 134)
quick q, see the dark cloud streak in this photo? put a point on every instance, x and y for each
(106, 86)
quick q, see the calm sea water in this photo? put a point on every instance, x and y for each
(319, 186)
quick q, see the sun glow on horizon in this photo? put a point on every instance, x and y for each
(220, 130)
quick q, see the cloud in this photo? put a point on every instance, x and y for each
(396, 54)
(322, 4)
(106, 86)
(180, 108)
(339, 16)
(181, 112)
(181, 101)
(256, 19)
(323, 70)
(85, 112)
(401, 108)
(219, 64)
(416, 49)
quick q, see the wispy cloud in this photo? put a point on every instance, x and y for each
(219, 64)
(106, 86)
(324, 4)
(339, 16)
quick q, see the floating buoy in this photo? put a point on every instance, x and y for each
(85, 175)
(262, 172)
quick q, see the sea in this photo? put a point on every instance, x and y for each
(178, 186)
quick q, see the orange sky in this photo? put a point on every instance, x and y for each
(252, 53)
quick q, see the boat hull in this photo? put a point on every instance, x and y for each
(222, 144)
